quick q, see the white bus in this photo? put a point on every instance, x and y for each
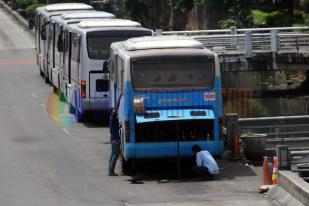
(84, 80)
(57, 26)
(42, 18)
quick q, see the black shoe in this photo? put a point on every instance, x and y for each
(112, 174)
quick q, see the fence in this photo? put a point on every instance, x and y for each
(249, 42)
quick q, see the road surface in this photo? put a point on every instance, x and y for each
(44, 163)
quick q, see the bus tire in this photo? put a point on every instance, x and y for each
(72, 109)
(46, 79)
(55, 90)
(79, 116)
(41, 73)
(126, 166)
(61, 96)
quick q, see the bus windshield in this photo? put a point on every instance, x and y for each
(173, 75)
(99, 46)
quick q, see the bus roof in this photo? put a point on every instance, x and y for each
(48, 15)
(161, 42)
(67, 6)
(88, 15)
(95, 23)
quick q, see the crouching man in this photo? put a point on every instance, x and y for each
(206, 165)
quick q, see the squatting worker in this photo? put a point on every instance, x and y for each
(206, 165)
(114, 127)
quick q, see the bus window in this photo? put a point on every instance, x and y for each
(75, 56)
(120, 73)
(113, 67)
(69, 56)
(102, 85)
(173, 75)
(54, 44)
(99, 46)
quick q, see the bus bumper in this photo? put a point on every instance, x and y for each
(96, 104)
(169, 149)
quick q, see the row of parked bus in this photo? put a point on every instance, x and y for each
(167, 88)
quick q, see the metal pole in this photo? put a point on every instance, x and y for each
(178, 153)
(248, 44)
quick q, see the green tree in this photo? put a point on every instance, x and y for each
(135, 9)
(183, 5)
(234, 12)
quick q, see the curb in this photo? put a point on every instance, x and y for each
(282, 197)
(17, 16)
(295, 185)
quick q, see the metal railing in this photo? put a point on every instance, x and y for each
(249, 42)
(234, 30)
(290, 130)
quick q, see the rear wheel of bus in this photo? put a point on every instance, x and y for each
(127, 166)
(61, 96)
(78, 115)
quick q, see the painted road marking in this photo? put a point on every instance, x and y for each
(20, 61)
(54, 118)
(66, 131)
(34, 95)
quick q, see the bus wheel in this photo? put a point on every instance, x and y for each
(46, 80)
(72, 109)
(127, 166)
(61, 96)
(41, 73)
(55, 90)
(79, 116)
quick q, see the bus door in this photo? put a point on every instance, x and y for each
(99, 84)
(66, 81)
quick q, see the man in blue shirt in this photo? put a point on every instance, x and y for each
(206, 165)
(114, 127)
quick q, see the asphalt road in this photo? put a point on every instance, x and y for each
(44, 163)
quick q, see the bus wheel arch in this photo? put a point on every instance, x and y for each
(78, 115)
(127, 165)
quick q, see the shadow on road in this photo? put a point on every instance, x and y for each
(96, 123)
(165, 171)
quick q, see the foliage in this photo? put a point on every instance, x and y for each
(304, 2)
(135, 9)
(228, 23)
(259, 17)
(306, 19)
(183, 5)
(25, 3)
(30, 9)
(275, 18)
(234, 13)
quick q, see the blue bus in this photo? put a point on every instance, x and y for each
(168, 93)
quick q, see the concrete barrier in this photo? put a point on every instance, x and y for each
(295, 185)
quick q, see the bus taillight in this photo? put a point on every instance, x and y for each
(83, 89)
(127, 130)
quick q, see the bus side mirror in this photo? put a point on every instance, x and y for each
(60, 45)
(105, 66)
(43, 33)
(30, 24)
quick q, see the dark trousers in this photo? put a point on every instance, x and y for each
(114, 155)
(203, 172)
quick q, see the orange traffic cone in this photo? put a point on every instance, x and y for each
(266, 173)
(274, 176)
(235, 149)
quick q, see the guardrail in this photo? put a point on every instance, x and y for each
(290, 130)
(234, 30)
(249, 42)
